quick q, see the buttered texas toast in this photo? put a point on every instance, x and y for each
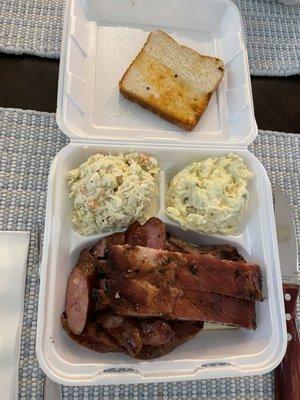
(171, 80)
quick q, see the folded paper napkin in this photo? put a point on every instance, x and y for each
(13, 259)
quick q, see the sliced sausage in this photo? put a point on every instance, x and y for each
(155, 233)
(79, 290)
(135, 235)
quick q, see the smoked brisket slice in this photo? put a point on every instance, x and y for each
(124, 333)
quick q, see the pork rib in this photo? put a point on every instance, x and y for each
(185, 271)
(139, 298)
(222, 251)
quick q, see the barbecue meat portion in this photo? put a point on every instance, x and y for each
(145, 282)
(138, 298)
(92, 337)
(79, 291)
(147, 338)
(222, 251)
(100, 300)
(155, 332)
(182, 331)
(141, 338)
(99, 251)
(151, 234)
(184, 271)
(143, 294)
(123, 332)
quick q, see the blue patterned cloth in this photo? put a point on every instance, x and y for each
(28, 142)
(272, 32)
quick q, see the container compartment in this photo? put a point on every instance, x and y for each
(243, 352)
(103, 37)
(100, 40)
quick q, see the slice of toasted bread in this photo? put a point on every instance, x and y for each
(171, 80)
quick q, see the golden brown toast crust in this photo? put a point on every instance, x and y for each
(183, 122)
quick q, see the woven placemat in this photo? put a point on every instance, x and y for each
(272, 32)
(273, 36)
(28, 142)
(31, 27)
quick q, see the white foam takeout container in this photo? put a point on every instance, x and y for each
(100, 39)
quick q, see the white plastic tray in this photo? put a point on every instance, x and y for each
(99, 41)
(102, 37)
(241, 352)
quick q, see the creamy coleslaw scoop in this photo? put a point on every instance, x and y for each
(210, 195)
(111, 191)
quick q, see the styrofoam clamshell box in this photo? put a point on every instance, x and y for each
(100, 39)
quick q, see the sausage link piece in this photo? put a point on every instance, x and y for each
(79, 291)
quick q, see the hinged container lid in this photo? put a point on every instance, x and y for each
(101, 38)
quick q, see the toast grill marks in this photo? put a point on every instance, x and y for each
(173, 81)
(185, 271)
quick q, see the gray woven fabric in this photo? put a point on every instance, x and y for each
(273, 36)
(272, 31)
(28, 142)
(31, 27)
